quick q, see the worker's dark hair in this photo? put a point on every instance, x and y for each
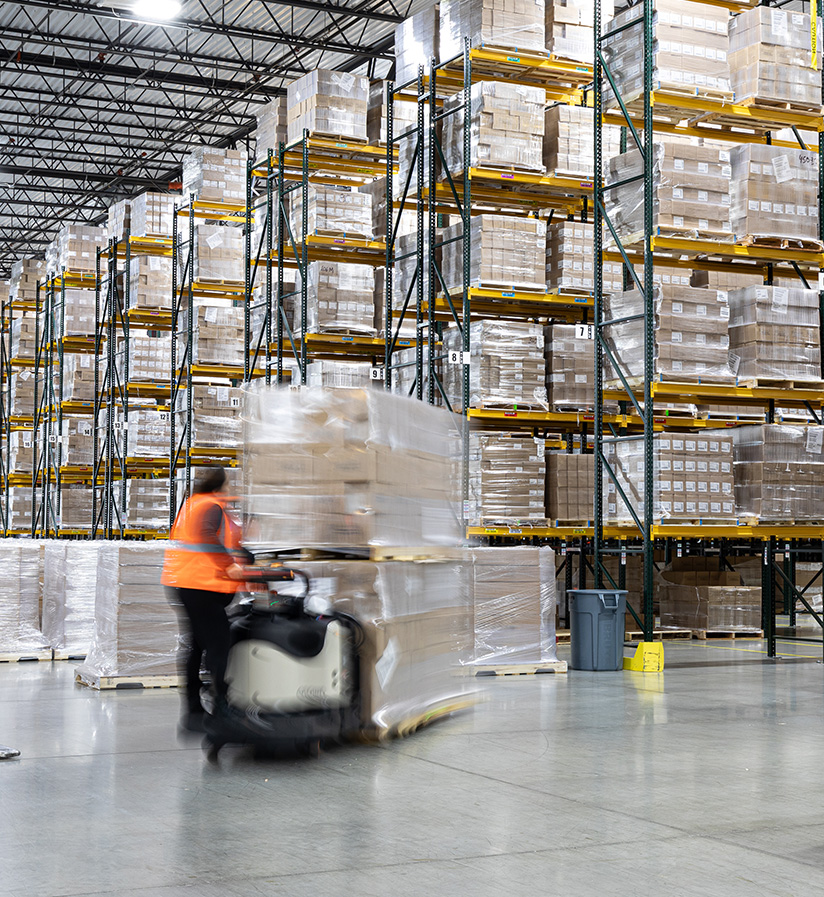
(210, 480)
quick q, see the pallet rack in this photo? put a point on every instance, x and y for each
(706, 116)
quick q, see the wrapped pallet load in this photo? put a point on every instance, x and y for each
(516, 24)
(215, 175)
(417, 41)
(20, 596)
(327, 103)
(69, 584)
(507, 475)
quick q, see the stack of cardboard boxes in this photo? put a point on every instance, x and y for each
(404, 115)
(78, 378)
(342, 298)
(506, 478)
(77, 448)
(149, 433)
(75, 248)
(22, 394)
(332, 211)
(570, 367)
(23, 282)
(20, 458)
(492, 23)
(340, 374)
(569, 27)
(78, 313)
(150, 359)
(69, 582)
(19, 507)
(24, 336)
(569, 141)
(118, 221)
(417, 41)
(150, 282)
(152, 214)
(570, 260)
(327, 104)
(218, 253)
(217, 335)
(214, 175)
(271, 128)
(147, 504)
(75, 507)
(215, 416)
(570, 487)
(20, 633)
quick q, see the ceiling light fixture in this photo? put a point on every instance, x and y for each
(156, 10)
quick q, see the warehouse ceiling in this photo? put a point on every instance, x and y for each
(98, 103)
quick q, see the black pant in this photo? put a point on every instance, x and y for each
(208, 630)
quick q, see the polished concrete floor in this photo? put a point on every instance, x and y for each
(705, 780)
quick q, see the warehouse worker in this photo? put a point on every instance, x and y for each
(201, 573)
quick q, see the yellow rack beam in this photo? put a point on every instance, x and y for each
(721, 394)
(659, 531)
(72, 280)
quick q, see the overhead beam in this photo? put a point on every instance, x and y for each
(74, 175)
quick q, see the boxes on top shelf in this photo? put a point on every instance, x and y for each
(76, 248)
(515, 24)
(215, 175)
(506, 253)
(119, 220)
(417, 40)
(404, 115)
(340, 374)
(150, 282)
(689, 51)
(271, 128)
(506, 479)
(507, 365)
(691, 335)
(693, 478)
(153, 214)
(332, 211)
(775, 333)
(570, 486)
(327, 104)
(779, 472)
(570, 27)
(24, 276)
(341, 298)
(774, 193)
(506, 130)
(691, 193)
(570, 260)
(771, 57)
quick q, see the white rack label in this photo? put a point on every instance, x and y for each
(377, 373)
(584, 331)
(234, 402)
(457, 357)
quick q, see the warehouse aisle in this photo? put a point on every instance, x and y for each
(699, 782)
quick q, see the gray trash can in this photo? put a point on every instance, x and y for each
(597, 628)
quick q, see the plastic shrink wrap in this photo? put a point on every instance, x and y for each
(271, 129)
(23, 281)
(150, 358)
(78, 379)
(147, 504)
(513, 603)
(75, 507)
(518, 24)
(24, 336)
(507, 477)
(118, 220)
(691, 193)
(20, 594)
(22, 394)
(405, 375)
(135, 626)
(349, 468)
(690, 47)
(570, 486)
(771, 57)
(75, 315)
(569, 260)
(691, 335)
(69, 583)
(404, 288)
(417, 41)
(775, 332)
(219, 252)
(332, 211)
(150, 282)
(404, 115)
(149, 433)
(774, 192)
(215, 416)
(506, 128)
(77, 447)
(153, 213)
(694, 594)
(417, 626)
(20, 458)
(569, 141)
(76, 248)
(506, 365)
(405, 222)
(779, 472)
(693, 478)
(215, 175)
(340, 374)
(570, 367)
(569, 27)
(19, 509)
(341, 298)
(327, 104)
(505, 252)
(217, 333)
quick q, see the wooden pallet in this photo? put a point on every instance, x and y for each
(67, 655)
(694, 233)
(766, 104)
(778, 383)
(500, 286)
(704, 634)
(805, 244)
(520, 669)
(106, 683)
(340, 234)
(26, 656)
(658, 635)
(504, 169)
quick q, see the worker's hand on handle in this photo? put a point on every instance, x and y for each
(236, 572)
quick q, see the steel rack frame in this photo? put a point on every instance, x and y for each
(5, 410)
(641, 126)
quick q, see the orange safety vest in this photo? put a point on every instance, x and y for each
(191, 563)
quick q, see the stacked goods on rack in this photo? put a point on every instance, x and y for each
(135, 627)
(77, 379)
(327, 104)
(694, 594)
(506, 128)
(775, 333)
(342, 298)
(218, 253)
(691, 193)
(691, 335)
(506, 252)
(19, 508)
(149, 432)
(78, 313)
(417, 41)
(570, 372)
(507, 479)
(147, 504)
(693, 478)
(570, 264)
(69, 581)
(20, 593)
(569, 141)
(290, 302)
(77, 447)
(75, 249)
(20, 458)
(772, 60)
(118, 220)
(215, 415)
(332, 211)
(217, 332)
(570, 486)
(689, 53)
(404, 115)
(337, 374)
(25, 274)
(75, 507)
(506, 365)
(404, 373)
(271, 128)
(405, 223)
(22, 394)
(569, 27)
(215, 175)
(354, 469)
(518, 24)
(150, 282)
(725, 281)
(24, 336)
(774, 194)
(779, 472)
(513, 602)
(150, 358)
(405, 285)
(153, 215)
